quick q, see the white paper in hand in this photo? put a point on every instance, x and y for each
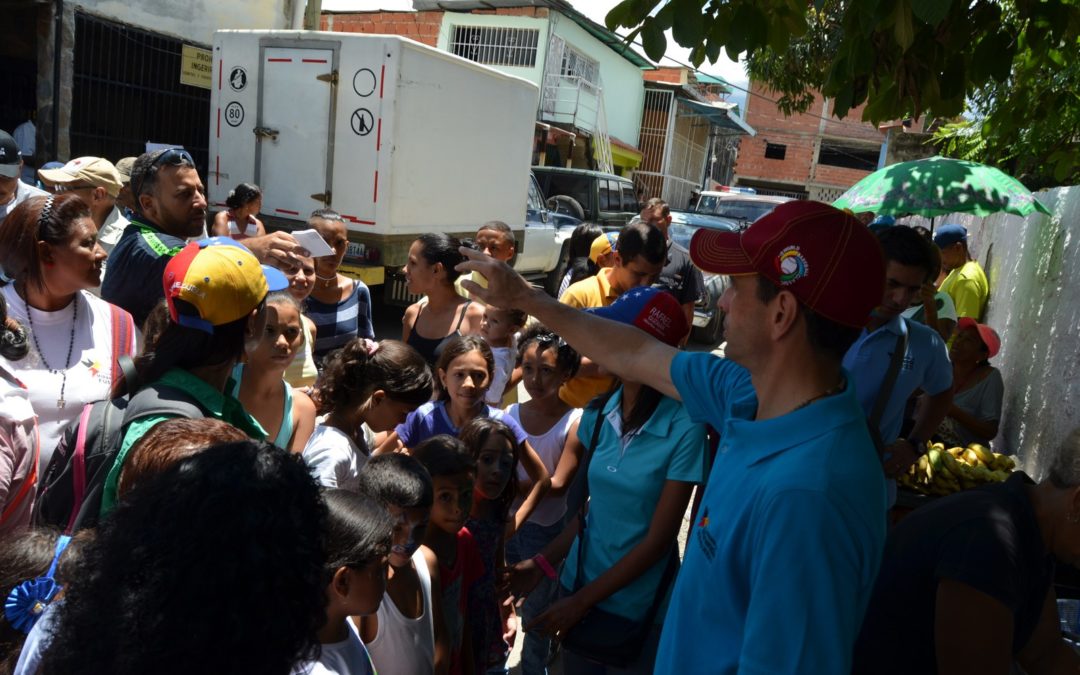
(314, 243)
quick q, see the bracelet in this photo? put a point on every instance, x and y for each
(544, 565)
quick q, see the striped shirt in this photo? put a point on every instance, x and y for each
(337, 323)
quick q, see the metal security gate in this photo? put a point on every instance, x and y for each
(127, 91)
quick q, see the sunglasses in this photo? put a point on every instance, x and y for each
(171, 157)
(60, 188)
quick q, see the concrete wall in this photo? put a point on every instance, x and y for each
(1033, 272)
(624, 88)
(194, 20)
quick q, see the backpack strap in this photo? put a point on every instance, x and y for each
(123, 328)
(78, 465)
(162, 399)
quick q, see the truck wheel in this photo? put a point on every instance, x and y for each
(567, 206)
(711, 333)
(555, 276)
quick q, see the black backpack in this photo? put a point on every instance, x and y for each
(69, 493)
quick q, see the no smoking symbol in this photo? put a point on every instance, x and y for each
(361, 121)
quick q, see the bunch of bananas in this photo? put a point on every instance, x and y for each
(941, 472)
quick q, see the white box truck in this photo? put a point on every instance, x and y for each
(399, 138)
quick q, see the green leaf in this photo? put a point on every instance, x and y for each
(903, 29)
(666, 16)
(931, 12)
(842, 102)
(622, 14)
(688, 28)
(653, 40)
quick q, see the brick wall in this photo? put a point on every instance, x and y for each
(801, 135)
(420, 26)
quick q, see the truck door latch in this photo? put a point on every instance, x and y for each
(323, 197)
(265, 132)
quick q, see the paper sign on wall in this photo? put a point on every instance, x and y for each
(196, 67)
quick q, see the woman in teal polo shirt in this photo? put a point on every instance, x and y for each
(647, 459)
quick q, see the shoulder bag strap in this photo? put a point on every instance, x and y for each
(887, 386)
(583, 494)
(78, 465)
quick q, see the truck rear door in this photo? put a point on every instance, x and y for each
(295, 150)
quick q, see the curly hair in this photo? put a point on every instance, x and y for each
(242, 195)
(352, 374)
(567, 358)
(24, 227)
(218, 564)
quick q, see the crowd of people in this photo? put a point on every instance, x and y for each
(209, 463)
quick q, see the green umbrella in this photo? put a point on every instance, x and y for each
(937, 186)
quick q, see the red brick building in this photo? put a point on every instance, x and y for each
(812, 155)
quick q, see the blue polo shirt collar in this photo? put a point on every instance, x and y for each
(762, 440)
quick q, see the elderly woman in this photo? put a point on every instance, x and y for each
(977, 386)
(49, 248)
(966, 583)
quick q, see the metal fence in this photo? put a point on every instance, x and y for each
(126, 91)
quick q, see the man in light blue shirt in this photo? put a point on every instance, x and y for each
(909, 263)
(782, 558)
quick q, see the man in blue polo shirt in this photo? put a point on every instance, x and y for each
(170, 209)
(782, 558)
(909, 263)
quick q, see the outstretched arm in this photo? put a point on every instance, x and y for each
(623, 350)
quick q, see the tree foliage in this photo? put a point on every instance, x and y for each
(1010, 66)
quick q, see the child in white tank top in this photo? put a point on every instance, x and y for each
(405, 635)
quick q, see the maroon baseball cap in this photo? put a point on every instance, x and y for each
(829, 260)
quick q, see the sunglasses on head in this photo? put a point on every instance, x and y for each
(171, 157)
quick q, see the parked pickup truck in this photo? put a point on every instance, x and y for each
(399, 138)
(543, 254)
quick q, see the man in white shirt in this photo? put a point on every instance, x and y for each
(98, 182)
(12, 190)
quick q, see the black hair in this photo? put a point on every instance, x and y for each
(145, 170)
(905, 246)
(567, 358)
(437, 247)
(186, 348)
(582, 238)
(474, 435)
(397, 479)
(242, 195)
(648, 399)
(444, 455)
(351, 375)
(358, 530)
(13, 343)
(287, 298)
(460, 345)
(27, 225)
(825, 335)
(516, 317)
(500, 227)
(182, 566)
(641, 240)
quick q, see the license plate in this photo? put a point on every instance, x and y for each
(355, 250)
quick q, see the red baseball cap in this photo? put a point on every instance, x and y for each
(987, 334)
(829, 260)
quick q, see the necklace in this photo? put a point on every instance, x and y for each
(825, 394)
(60, 402)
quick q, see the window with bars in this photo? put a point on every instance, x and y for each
(576, 64)
(495, 46)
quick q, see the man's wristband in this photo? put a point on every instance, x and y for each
(544, 565)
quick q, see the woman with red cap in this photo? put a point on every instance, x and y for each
(977, 386)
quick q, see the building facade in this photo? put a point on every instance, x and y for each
(591, 85)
